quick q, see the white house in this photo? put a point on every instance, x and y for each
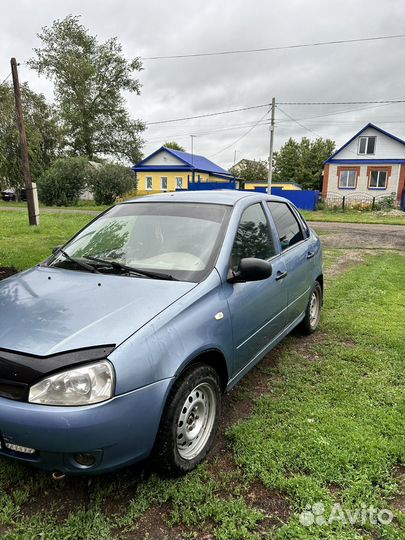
(371, 163)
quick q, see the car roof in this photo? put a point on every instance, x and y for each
(216, 196)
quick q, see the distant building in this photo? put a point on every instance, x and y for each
(243, 184)
(371, 163)
(167, 170)
(282, 185)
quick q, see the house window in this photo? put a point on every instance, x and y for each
(366, 145)
(378, 177)
(163, 183)
(179, 182)
(149, 182)
(347, 179)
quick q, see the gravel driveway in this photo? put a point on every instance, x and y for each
(360, 235)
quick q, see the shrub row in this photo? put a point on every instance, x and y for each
(68, 178)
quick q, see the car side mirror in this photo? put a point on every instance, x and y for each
(56, 249)
(251, 269)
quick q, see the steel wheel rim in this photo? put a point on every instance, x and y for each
(196, 420)
(314, 309)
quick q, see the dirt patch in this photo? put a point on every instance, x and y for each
(398, 502)
(7, 271)
(360, 235)
(154, 524)
(271, 502)
(346, 261)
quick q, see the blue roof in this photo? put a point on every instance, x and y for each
(369, 125)
(191, 161)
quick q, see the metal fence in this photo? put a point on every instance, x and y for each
(358, 201)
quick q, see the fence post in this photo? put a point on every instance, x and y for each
(343, 202)
(373, 204)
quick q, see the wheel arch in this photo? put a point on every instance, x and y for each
(211, 357)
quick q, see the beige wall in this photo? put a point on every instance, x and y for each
(362, 180)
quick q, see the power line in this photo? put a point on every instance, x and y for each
(278, 48)
(281, 122)
(297, 122)
(242, 136)
(339, 102)
(230, 111)
(207, 115)
(8, 76)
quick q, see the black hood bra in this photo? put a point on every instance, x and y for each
(18, 371)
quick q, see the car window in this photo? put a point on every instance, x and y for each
(253, 238)
(288, 229)
(181, 239)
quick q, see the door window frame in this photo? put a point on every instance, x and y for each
(305, 236)
(271, 232)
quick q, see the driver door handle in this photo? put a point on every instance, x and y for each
(310, 254)
(281, 275)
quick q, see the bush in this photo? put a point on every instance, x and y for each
(109, 181)
(64, 182)
(385, 203)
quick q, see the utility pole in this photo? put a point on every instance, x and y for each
(30, 187)
(273, 110)
(192, 157)
(234, 157)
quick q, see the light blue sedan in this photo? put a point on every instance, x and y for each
(120, 345)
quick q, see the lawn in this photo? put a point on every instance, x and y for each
(318, 422)
(82, 205)
(22, 246)
(354, 216)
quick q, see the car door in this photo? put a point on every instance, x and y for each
(258, 307)
(297, 254)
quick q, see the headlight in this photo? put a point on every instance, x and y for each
(77, 386)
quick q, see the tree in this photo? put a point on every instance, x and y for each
(44, 136)
(251, 170)
(64, 182)
(109, 181)
(302, 162)
(89, 79)
(174, 146)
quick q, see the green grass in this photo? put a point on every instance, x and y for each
(82, 205)
(353, 216)
(335, 419)
(23, 246)
(329, 428)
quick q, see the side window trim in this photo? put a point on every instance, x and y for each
(302, 224)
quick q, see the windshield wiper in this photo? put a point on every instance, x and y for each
(84, 265)
(123, 267)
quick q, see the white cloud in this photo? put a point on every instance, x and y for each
(186, 87)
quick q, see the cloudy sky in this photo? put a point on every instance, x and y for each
(174, 88)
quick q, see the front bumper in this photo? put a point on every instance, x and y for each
(117, 432)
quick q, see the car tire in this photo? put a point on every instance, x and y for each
(313, 311)
(190, 421)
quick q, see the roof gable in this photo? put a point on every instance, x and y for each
(358, 134)
(193, 161)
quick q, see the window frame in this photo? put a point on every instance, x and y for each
(387, 171)
(304, 231)
(182, 182)
(342, 169)
(146, 183)
(161, 183)
(367, 137)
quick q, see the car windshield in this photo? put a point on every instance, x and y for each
(173, 240)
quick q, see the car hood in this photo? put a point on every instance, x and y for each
(49, 310)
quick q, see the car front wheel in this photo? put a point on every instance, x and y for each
(190, 421)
